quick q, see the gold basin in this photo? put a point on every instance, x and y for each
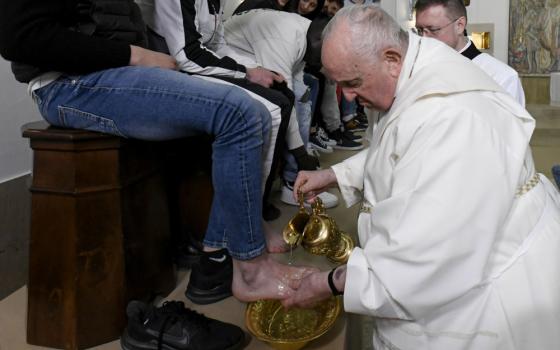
(290, 329)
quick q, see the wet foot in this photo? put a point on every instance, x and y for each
(274, 241)
(265, 278)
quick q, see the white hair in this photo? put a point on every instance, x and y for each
(372, 30)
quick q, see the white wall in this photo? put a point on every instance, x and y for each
(479, 11)
(16, 109)
(497, 12)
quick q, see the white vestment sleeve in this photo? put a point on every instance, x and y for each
(513, 86)
(350, 177)
(367, 292)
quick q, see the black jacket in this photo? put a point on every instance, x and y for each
(68, 35)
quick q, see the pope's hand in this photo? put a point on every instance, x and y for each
(313, 288)
(311, 183)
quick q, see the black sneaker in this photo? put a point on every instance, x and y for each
(354, 125)
(344, 143)
(322, 134)
(211, 278)
(174, 327)
(362, 119)
(351, 136)
(187, 252)
(316, 143)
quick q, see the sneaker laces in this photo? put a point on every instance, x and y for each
(175, 311)
(316, 139)
(321, 133)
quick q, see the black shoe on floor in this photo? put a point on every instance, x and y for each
(211, 278)
(351, 136)
(343, 143)
(174, 327)
(187, 252)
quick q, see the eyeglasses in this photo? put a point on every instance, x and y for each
(432, 31)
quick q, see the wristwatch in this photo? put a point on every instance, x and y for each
(334, 291)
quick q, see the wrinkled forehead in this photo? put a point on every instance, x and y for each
(339, 60)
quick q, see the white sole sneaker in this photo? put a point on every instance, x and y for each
(329, 199)
(329, 142)
(320, 149)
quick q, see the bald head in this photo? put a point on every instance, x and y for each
(363, 51)
(370, 29)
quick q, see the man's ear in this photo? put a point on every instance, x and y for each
(461, 24)
(393, 59)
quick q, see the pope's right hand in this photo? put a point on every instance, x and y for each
(311, 183)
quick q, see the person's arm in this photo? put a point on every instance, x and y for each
(318, 286)
(35, 32)
(177, 22)
(148, 58)
(350, 177)
(513, 86)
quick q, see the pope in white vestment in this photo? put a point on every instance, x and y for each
(459, 236)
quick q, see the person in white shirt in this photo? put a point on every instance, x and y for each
(192, 31)
(446, 21)
(283, 42)
(459, 236)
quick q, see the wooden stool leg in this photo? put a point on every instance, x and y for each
(99, 235)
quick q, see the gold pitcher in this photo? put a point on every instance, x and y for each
(293, 232)
(318, 233)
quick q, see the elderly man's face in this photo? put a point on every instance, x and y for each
(373, 85)
(434, 22)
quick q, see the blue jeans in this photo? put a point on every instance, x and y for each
(556, 174)
(348, 109)
(303, 114)
(313, 83)
(157, 104)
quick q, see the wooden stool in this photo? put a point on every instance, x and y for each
(99, 234)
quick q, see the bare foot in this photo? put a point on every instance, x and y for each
(274, 241)
(265, 278)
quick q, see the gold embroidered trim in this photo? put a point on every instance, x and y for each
(365, 209)
(528, 186)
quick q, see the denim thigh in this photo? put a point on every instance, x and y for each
(158, 104)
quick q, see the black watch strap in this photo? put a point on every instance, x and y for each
(334, 291)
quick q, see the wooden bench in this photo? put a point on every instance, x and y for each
(100, 233)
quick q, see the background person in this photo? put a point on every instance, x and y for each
(446, 21)
(285, 42)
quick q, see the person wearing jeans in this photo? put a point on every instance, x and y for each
(106, 81)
